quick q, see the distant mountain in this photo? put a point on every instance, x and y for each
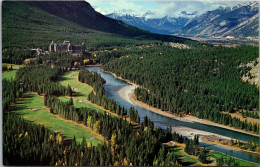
(240, 21)
(82, 13)
(164, 25)
(36, 23)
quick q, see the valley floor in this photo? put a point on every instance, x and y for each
(127, 93)
(32, 109)
(187, 118)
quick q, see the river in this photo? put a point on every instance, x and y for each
(113, 85)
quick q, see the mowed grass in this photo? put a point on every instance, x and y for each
(187, 160)
(241, 162)
(10, 74)
(15, 66)
(82, 90)
(68, 129)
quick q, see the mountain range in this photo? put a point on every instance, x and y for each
(240, 21)
(164, 25)
(37, 23)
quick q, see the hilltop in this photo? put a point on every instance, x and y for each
(35, 24)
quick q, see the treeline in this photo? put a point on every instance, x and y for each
(133, 115)
(98, 95)
(227, 119)
(10, 91)
(125, 142)
(191, 146)
(61, 59)
(29, 144)
(108, 55)
(252, 146)
(133, 146)
(35, 145)
(200, 82)
(252, 114)
(40, 79)
(65, 60)
(32, 144)
(6, 68)
(91, 78)
(37, 78)
(227, 162)
(63, 109)
(16, 55)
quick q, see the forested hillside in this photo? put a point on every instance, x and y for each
(36, 24)
(200, 82)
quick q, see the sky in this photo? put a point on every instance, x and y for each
(159, 8)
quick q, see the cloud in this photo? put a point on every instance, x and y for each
(106, 7)
(159, 9)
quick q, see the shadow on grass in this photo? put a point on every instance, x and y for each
(22, 104)
(77, 94)
(185, 163)
(62, 78)
(182, 161)
(18, 107)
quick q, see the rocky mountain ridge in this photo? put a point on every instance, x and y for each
(164, 25)
(240, 21)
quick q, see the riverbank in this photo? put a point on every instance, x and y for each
(118, 77)
(187, 118)
(205, 139)
(94, 65)
(113, 88)
(127, 93)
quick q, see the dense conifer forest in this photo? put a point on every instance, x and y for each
(200, 82)
(98, 94)
(203, 81)
(124, 144)
(32, 144)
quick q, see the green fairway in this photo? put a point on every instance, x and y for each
(10, 74)
(81, 90)
(15, 66)
(216, 155)
(32, 109)
(186, 160)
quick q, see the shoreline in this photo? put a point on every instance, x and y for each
(94, 65)
(187, 118)
(118, 77)
(229, 147)
(127, 93)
